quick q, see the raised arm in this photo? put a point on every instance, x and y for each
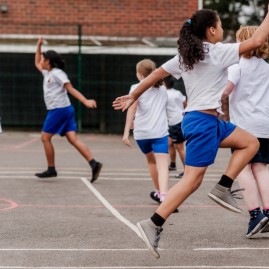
(257, 39)
(38, 54)
(89, 103)
(124, 102)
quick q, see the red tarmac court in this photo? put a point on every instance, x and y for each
(67, 222)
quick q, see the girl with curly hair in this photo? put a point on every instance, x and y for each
(60, 117)
(202, 62)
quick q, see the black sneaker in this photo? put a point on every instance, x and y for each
(96, 171)
(172, 167)
(47, 173)
(154, 196)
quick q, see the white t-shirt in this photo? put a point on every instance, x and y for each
(206, 82)
(175, 106)
(150, 117)
(249, 102)
(55, 95)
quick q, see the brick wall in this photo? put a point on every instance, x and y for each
(151, 18)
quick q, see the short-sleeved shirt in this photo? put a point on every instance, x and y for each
(55, 95)
(206, 82)
(249, 102)
(150, 117)
(175, 106)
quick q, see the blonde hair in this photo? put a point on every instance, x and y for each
(246, 32)
(145, 68)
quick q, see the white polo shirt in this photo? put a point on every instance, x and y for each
(206, 82)
(175, 106)
(249, 102)
(55, 95)
(150, 117)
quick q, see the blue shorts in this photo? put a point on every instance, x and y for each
(203, 133)
(175, 132)
(60, 121)
(157, 145)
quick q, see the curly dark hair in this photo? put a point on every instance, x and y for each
(54, 58)
(191, 36)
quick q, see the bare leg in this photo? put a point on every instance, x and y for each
(151, 161)
(246, 146)
(163, 173)
(172, 151)
(247, 181)
(48, 147)
(261, 173)
(190, 182)
(181, 152)
(79, 145)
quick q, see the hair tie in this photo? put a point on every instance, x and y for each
(188, 21)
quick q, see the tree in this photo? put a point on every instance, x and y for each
(235, 13)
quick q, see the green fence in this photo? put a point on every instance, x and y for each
(100, 77)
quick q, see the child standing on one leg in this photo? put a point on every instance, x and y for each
(60, 117)
(148, 115)
(248, 83)
(202, 62)
(175, 107)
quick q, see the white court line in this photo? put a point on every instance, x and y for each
(72, 249)
(140, 267)
(223, 249)
(110, 207)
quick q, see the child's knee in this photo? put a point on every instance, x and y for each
(255, 144)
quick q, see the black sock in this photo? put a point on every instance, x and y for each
(92, 163)
(172, 164)
(254, 213)
(51, 169)
(226, 182)
(157, 219)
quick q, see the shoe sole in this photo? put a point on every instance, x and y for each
(265, 228)
(258, 227)
(223, 204)
(152, 250)
(46, 177)
(97, 175)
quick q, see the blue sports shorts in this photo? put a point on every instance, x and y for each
(157, 145)
(203, 133)
(60, 121)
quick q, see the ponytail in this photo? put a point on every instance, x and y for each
(191, 36)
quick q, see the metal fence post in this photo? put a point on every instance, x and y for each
(79, 115)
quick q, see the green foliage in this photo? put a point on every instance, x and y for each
(235, 13)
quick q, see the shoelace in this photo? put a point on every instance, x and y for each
(237, 195)
(158, 231)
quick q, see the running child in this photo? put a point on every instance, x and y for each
(202, 62)
(248, 83)
(174, 109)
(60, 117)
(148, 117)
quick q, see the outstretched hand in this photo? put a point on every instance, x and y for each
(123, 102)
(90, 103)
